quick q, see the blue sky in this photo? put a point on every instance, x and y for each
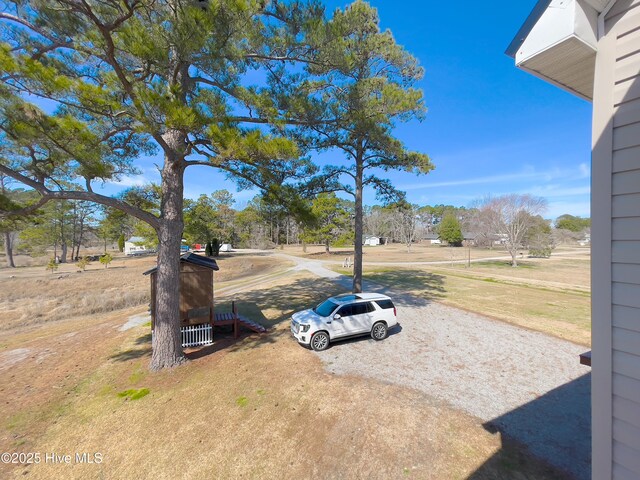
(491, 129)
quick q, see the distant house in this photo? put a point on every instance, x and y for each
(432, 238)
(591, 48)
(470, 237)
(135, 246)
(585, 240)
(371, 240)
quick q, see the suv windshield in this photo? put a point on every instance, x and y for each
(325, 308)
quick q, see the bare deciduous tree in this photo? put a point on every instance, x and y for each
(405, 218)
(511, 216)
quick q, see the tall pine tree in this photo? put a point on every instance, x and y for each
(128, 77)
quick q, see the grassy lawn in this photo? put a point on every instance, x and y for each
(550, 296)
(262, 407)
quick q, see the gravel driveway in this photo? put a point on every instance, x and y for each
(528, 385)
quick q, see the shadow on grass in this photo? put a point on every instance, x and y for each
(131, 354)
(330, 253)
(145, 339)
(135, 353)
(426, 285)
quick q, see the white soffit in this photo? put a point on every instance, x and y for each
(561, 46)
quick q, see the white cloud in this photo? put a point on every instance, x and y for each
(585, 170)
(558, 191)
(528, 174)
(130, 181)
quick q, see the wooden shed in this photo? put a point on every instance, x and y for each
(196, 298)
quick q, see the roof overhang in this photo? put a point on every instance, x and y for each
(558, 43)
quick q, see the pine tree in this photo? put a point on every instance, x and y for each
(130, 78)
(362, 85)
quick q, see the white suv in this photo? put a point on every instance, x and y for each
(344, 316)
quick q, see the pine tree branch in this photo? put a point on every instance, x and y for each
(48, 195)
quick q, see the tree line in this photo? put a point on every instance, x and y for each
(67, 226)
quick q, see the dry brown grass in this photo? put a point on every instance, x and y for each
(31, 296)
(420, 252)
(259, 408)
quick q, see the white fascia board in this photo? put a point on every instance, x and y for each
(561, 20)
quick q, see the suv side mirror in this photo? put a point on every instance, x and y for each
(337, 316)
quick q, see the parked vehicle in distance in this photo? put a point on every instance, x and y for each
(344, 316)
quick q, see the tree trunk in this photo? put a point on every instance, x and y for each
(63, 252)
(167, 343)
(79, 239)
(326, 246)
(8, 249)
(514, 254)
(357, 250)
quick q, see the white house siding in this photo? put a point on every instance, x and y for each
(620, 53)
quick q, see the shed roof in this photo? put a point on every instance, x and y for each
(194, 259)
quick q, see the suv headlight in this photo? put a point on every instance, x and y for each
(304, 328)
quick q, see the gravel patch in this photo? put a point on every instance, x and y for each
(526, 384)
(135, 321)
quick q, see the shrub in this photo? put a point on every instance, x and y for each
(83, 262)
(540, 252)
(450, 231)
(106, 259)
(52, 265)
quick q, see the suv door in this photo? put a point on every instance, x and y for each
(339, 326)
(363, 318)
(356, 318)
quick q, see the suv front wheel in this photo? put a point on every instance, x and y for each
(379, 331)
(320, 341)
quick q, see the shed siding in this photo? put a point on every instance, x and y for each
(622, 27)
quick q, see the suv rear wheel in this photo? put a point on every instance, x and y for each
(379, 331)
(320, 341)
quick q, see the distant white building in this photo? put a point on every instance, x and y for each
(135, 246)
(371, 241)
(432, 238)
